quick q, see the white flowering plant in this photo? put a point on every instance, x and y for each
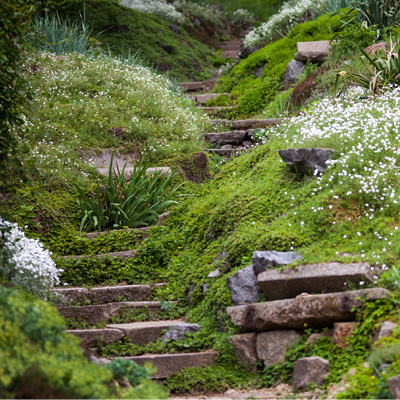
(25, 263)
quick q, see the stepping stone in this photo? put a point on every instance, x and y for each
(317, 311)
(222, 138)
(203, 98)
(107, 294)
(231, 54)
(143, 231)
(191, 86)
(168, 364)
(216, 110)
(314, 278)
(119, 254)
(254, 123)
(312, 51)
(90, 337)
(103, 312)
(142, 333)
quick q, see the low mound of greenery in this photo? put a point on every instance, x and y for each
(122, 29)
(40, 360)
(253, 93)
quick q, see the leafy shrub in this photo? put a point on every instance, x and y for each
(206, 14)
(125, 368)
(40, 360)
(24, 261)
(132, 203)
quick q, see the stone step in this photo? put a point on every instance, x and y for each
(246, 123)
(203, 98)
(222, 138)
(168, 364)
(140, 333)
(231, 54)
(231, 46)
(310, 311)
(315, 278)
(143, 231)
(216, 110)
(119, 254)
(106, 294)
(144, 332)
(194, 86)
(103, 312)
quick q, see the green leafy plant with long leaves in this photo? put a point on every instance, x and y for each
(132, 203)
(373, 72)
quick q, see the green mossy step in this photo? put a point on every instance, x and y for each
(119, 254)
(143, 231)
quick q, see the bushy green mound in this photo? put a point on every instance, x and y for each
(122, 29)
(253, 93)
(39, 360)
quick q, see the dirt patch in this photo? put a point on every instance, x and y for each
(303, 91)
(117, 131)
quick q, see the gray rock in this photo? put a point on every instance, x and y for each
(205, 288)
(385, 330)
(244, 51)
(214, 274)
(318, 311)
(307, 160)
(263, 260)
(175, 29)
(312, 56)
(162, 218)
(197, 22)
(394, 386)
(314, 278)
(314, 337)
(259, 71)
(245, 349)
(312, 51)
(179, 331)
(247, 144)
(227, 147)
(243, 286)
(309, 370)
(293, 71)
(272, 346)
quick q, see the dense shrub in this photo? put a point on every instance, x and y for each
(38, 359)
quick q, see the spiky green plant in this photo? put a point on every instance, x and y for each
(120, 202)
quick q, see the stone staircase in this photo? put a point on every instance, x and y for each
(230, 49)
(302, 297)
(103, 308)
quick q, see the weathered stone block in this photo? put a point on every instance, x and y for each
(243, 286)
(293, 71)
(179, 331)
(394, 386)
(385, 330)
(314, 278)
(314, 337)
(342, 331)
(223, 138)
(90, 337)
(263, 260)
(109, 294)
(271, 346)
(318, 311)
(245, 349)
(309, 370)
(72, 295)
(307, 160)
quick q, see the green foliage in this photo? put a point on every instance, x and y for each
(374, 72)
(39, 359)
(380, 13)
(254, 93)
(125, 368)
(122, 28)
(220, 101)
(279, 106)
(132, 203)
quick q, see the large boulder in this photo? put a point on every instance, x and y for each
(317, 311)
(245, 349)
(313, 278)
(243, 286)
(307, 161)
(263, 260)
(293, 71)
(272, 346)
(180, 330)
(309, 370)
(385, 330)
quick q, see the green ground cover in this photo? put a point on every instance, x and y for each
(122, 29)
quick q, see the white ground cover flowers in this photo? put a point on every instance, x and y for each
(26, 263)
(281, 23)
(365, 134)
(157, 7)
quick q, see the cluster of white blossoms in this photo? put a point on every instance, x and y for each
(281, 23)
(157, 7)
(364, 132)
(26, 263)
